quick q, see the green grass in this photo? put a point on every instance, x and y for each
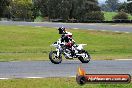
(22, 43)
(54, 83)
(109, 15)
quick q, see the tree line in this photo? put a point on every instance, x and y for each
(81, 10)
(116, 6)
(53, 9)
(69, 9)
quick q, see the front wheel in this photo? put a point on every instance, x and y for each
(54, 58)
(86, 58)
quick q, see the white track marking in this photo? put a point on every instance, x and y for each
(116, 31)
(123, 59)
(103, 30)
(30, 78)
(38, 26)
(72, 76)
(90, 29)
(127, 32)
(33, 77)
(4, 78)
(75, 28)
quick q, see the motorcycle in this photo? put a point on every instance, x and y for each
(77, 51)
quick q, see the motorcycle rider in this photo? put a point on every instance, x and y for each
(66, 37)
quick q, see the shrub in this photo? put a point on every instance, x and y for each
(94, 16)
(121, 15)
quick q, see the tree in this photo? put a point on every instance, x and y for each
(59, 9)
(54, 8)
(104, 7)
(66, 9)
(112, 4)
(126, 7)
(94, 16)
(3, 6)
(129, 8)
(22, 9)
(123, 7)
(36, 8)
(41, 7)
(85, 7)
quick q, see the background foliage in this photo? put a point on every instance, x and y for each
(79, 10)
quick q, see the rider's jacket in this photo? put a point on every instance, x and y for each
(67, 39)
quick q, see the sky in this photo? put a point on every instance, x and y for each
(102, 1)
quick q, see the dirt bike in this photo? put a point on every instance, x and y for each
(77, 51)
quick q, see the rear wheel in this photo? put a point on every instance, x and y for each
(86, 58)
(54, 58)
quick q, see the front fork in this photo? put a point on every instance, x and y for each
(58, 52)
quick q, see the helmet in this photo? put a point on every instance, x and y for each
(62, 30)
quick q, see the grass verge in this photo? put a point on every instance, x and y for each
(54, 83)
(22, 43)
(109, 15)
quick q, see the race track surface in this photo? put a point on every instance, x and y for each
(42, 69)
(88, 26)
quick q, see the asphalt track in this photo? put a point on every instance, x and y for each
(88, 26)
(42, 69)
